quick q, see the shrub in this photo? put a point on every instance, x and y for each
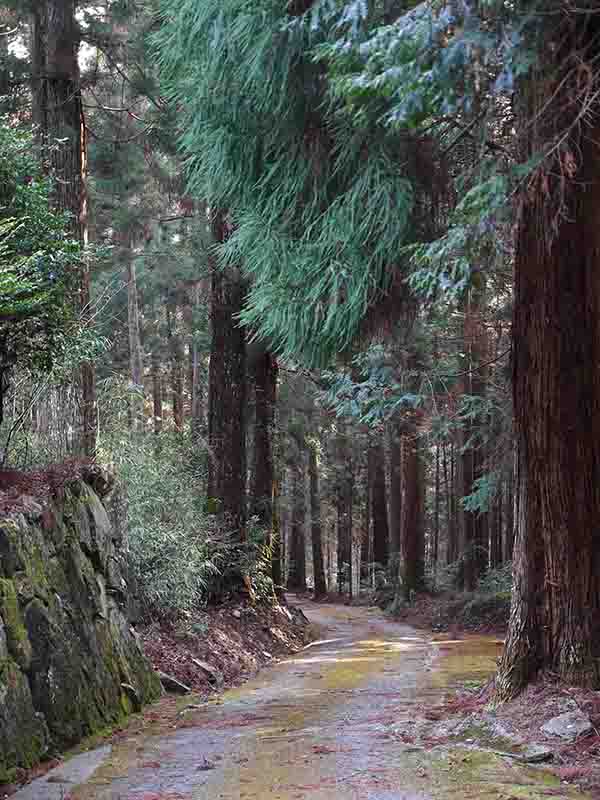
(498, 580)
(176, 553)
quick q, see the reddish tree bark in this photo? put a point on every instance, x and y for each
(381, 547)
(227, 394)
(412, 566)
(555, 616)
(315, 522)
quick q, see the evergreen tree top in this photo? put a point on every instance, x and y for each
(320, 208)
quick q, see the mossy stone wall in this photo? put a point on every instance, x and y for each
(69, 657)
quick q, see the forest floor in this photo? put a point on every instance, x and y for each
(374, 710)
(476, 612)
(236, 640)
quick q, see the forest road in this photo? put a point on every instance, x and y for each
(326, 724)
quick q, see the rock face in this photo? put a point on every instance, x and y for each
(70, 662)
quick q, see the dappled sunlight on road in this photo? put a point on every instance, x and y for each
(323, 726)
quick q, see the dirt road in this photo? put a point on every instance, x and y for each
(325, 725)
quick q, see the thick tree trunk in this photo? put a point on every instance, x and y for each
(555, 617)
(227, 395)
(378, 503)
(509, 516)
(495, 533)
(315, 520)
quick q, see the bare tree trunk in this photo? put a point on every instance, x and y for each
(452, 538)
(436, 513)
(177, 357)
(227, 395)
(509, 514)
(315, 516)
(555, 616)
(395, 487)
(276, 541)
(297, 570)
(58, 114)
(379, 505)
(263, 471)
(474, 524)
(157, 393)
(135, 350)
(263, 492)
(495, 534)
(345, 492)
(412, 569)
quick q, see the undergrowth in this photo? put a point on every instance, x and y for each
(177, 553)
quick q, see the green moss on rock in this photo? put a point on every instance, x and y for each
(66, 646)
(23, 732)
(19, 645)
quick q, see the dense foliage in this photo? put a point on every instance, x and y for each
(316, 225)
(38, 258)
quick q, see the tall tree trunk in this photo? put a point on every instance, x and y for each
(276, 540)
(263, 471)
(263, 493)
(177, 357)
(58, 114)
(379, 504)
(474, 524)
(363, 490)
(297, 564)
(451, 535)
(495, 532)
(435, 550)
(281, 510)
(315, 520)
(555, 616)
(136, 367)
(345, 493)
(395, 488)
(509, 515)
(197, 420)
(412, 569)
(157, 393)
(227, 394)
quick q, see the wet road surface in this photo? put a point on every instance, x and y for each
(321, 725)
